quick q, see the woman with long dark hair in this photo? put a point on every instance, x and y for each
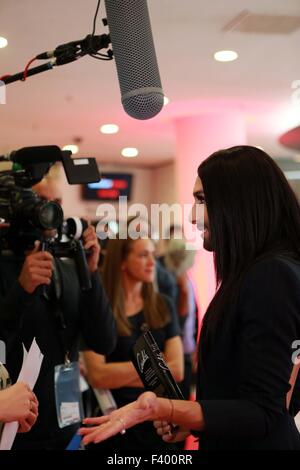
(248, 391)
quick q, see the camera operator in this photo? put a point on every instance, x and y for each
(41, 297)
(49, 190)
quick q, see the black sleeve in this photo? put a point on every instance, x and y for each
(98, 326)
(172, 328)
(12, 306)
(268, 311)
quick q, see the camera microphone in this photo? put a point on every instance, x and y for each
(34, 155)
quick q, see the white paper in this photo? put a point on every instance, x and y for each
(83, 385)
(29, 373)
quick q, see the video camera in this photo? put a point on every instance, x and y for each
(26, 217)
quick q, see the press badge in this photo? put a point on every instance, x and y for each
(69, 408)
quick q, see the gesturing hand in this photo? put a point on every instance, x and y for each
(143, 409)
(37, 269)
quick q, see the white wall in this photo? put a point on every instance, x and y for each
(164, 184)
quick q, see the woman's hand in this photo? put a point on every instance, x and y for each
(26, 424)
(164, 429)
(19, 403)
(143, 409)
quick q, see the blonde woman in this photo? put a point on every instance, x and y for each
(128, 275)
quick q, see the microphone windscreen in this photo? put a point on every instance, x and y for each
(137, 68)
(33, 155)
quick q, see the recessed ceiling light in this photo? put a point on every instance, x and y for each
(130, 152)
(3, 42)
(73, 148)
(225, 56)
(109, 129)
(166, 100)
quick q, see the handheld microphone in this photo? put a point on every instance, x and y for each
(133, 47)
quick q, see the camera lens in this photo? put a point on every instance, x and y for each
(49, 215)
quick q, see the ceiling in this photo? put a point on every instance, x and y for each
(73, 100)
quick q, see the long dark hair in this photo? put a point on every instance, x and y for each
(253, 213)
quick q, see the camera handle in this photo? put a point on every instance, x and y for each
(82, 266)
(78, 254)
(44, 287)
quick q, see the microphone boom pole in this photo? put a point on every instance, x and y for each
(63, 55)
(33, 71)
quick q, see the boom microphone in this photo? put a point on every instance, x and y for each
(133, 47)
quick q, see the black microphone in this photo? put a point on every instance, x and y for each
(34, 155)
(133, 47)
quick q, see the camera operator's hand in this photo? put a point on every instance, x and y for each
(37, 269)
(91, 243)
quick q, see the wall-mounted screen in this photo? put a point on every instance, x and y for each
(109, 188)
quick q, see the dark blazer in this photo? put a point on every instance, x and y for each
(244, 376)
